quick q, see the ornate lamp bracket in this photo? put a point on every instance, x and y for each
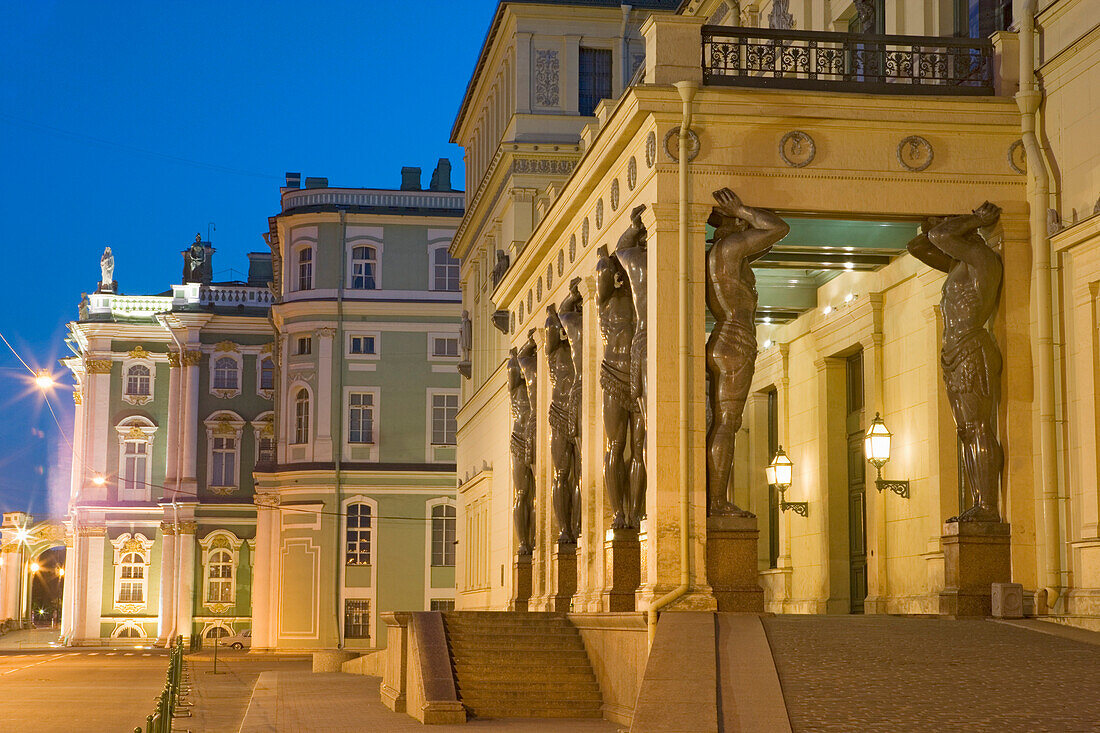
(800, 508)
(901, 488)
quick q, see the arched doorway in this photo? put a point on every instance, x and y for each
(47, 582)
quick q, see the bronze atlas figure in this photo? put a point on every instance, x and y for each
(563, 425)
(572, 320)
(742, 235)
(522, 453)
(970, 358)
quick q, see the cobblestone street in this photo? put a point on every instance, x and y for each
(882, 673)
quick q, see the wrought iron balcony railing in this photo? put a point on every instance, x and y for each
(846, 62)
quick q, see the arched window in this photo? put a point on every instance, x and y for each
(219, 577)
(267, 373)
(217, 632)
(225, 373)
(131, 587)
(128, 632)
(137, 380)
(305, 268)
(443, 535)
(444, 270)
(358, 534)
(364, 268)
(301, 417)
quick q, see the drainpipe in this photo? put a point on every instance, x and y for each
(338, 443)
(1028, 99)
(177, 545)
(687, 91)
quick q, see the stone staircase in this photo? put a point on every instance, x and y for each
(520, 665)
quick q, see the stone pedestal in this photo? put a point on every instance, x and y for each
(622, 564)
(521, 583)
(975, 556)
(732, 563)
(564, 567)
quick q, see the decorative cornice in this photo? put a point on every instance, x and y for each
(97, 366)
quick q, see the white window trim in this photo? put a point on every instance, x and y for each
(430, 592)
(129, 624)
(292, 415)
(360, 237)
(147, 362)
(264, 427)
(443, 334)
(219, 539)
(223, 424)
(372, 446)
(266, 352)
(136, 429)
(377, 335)
(218, 624)
(299, 245)
(123, 545)
(359, 593)
(212, 361)
(429, 453)
(433, 247)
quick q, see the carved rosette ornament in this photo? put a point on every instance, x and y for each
(1017, 158)
(915, 153)
(672, 144)
(797, 149)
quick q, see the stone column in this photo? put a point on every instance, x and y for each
(78, 476)
(186, 607)
(261, 571)
(172, 433)
(878, 590)
(523, 73)
(542, 567)
(91, 579)
(325, 399)
(98, 408)
(190, 430)
(662, 526)
(66, 595)
(275, 543)
(11, 574)
(167, 612)
(593, 500)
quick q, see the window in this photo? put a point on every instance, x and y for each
(441, 604)
(267, 373)
(224, 462)
(444, 414)
(305, 345)
(443, 536)
(265, 452)
(356, 618)
(301, 417)
(134, 467)
(444, 270)
(137, 380)
(358, 535)
(219, 577)
(445, 346)
(361, 417)
(854, 378)
(131, 587)
(364, 268)
(225, 373)
(217, 632)
(594, 81)
(128, 632)
(305, 268)
(363, 345)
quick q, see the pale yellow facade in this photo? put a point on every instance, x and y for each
(887, 313)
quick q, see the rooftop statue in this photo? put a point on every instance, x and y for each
(107, 271)
(963, 247)
(631, 252)
(617, 328)
(563, 425)
(742, 235)
(523, 513)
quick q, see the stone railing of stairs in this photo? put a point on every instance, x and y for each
(444, 667)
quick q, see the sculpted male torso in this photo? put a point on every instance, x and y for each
(742, 235)
(573, 322)
(562, 425)
(617, 328)
(522, 478)
(970, 358)
(631, 253)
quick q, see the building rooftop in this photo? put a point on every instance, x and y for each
(439, 199)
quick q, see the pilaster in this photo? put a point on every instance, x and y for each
(186, 608)
(266, 516)
(322, 447)
(167, 611)
(594, 514)
(97, 403)
(545, 537)
(188, 472)
(91, 580)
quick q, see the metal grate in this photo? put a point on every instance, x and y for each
(826, 61)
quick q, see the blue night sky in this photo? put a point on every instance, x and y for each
(135, 124)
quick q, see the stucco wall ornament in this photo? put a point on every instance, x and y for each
(546, 78)
(561, 262)
(553, 166)
(97, 366)
(139, 353)
(599, 213)
(797, 149)
(584, 232)
(1017, 158)
(672, 144)
(615, 194)
(549, 275)
(650, 149)
(915, 153)
(572, 247)
(631, 173)
(227, 346)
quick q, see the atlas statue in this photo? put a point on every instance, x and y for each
(570, 313)
(963, 247)
(616, 315)
(563, 425)
(523, 479)
(742, 235)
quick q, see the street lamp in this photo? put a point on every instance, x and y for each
(876, 445)
(43, 379)
(779, 474)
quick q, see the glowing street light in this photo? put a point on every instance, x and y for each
(98, 479)
(44, 379)
(779, 473)
(876, 445)
(34, 567)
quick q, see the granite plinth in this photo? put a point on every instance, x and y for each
(975, 555)
(732, 563)
(564, 564)
(521, 583)
(622, 569)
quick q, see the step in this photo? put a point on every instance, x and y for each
(545, 691)
(574, 673)
(540, 710)
(546, 657)
(503, 644)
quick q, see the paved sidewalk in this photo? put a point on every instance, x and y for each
(339, 703)
(220, 700)
(29, 639)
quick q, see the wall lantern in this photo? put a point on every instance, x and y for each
(779, 473)
(877, 447)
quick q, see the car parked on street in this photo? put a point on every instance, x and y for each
(240, 640)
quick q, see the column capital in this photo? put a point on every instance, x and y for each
(188, 527)
(270, 501)
(192, 358)
(97, 366)
(167, 528)
(92, 530)
(324, 333)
